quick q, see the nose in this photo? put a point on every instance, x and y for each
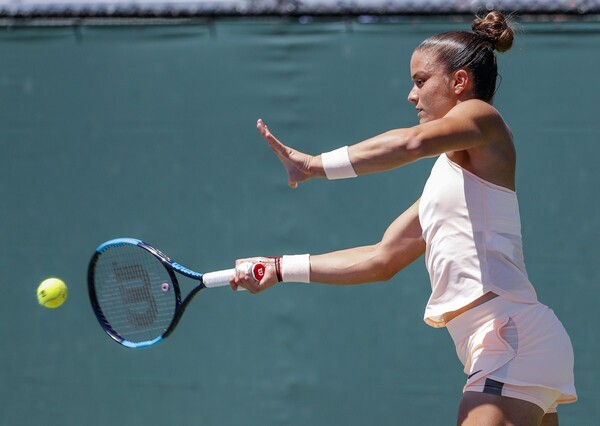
(412, 96)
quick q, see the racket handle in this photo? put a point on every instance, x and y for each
(221, 278)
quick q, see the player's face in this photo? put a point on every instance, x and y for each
(432, 91)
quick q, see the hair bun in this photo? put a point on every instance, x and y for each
(495, 28)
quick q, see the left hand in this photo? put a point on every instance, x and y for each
(297, 164)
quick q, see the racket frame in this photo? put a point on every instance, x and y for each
(171, 268)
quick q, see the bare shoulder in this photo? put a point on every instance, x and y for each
(486, 118)
(494, 160)
(475, 109)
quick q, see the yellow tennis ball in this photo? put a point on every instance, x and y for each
(52, 292)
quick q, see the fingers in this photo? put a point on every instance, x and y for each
(275, 144)
(263, 128)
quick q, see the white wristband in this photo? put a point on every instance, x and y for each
(337, 164)
(296, 268)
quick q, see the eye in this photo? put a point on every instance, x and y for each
(419, 82)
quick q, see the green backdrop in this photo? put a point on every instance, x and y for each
(149, 132)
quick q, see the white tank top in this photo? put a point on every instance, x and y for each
(472, 229)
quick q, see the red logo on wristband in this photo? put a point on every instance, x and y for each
(258, 271)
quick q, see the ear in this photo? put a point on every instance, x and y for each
(461, 81)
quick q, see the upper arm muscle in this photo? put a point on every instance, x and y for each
(468, 125)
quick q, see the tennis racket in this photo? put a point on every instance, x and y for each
(135, 294)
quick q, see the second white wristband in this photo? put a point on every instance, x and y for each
(337, 164)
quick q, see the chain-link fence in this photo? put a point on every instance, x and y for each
(185, 8)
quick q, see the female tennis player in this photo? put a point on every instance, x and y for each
(515, 352)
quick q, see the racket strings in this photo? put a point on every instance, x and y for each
(134, 292)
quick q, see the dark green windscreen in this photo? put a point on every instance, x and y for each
(149, 132)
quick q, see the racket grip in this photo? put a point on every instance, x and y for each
(221, 278)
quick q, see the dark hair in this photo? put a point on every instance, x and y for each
(474, 51)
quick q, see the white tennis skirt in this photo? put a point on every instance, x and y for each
(515, 343)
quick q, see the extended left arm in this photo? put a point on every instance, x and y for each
(469, 124)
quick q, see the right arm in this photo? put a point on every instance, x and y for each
(400, 245)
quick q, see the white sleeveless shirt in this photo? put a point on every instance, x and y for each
(472, 231)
